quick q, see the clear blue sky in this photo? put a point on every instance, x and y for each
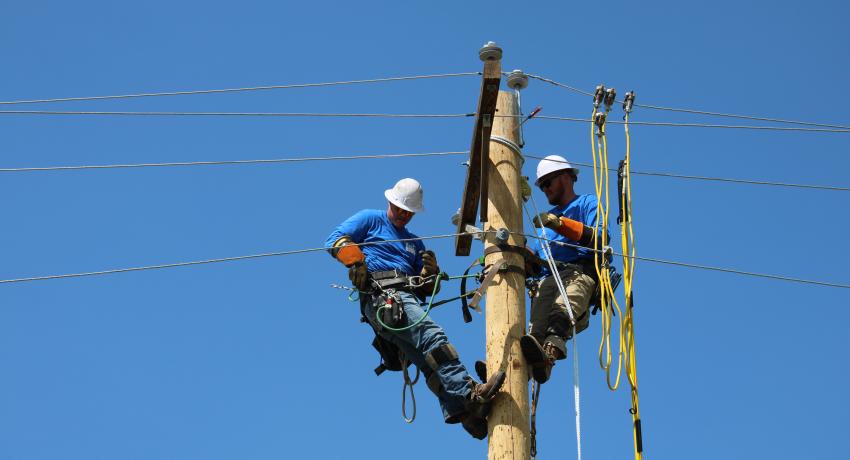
(261, 359)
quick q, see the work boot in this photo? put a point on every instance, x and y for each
(474, 425)
(483, 393)
(481, 370)
(539, 358)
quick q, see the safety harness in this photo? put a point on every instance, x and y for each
(386, 286)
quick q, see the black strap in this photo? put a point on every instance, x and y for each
(521, 250)
(441, 355)
(464, 304)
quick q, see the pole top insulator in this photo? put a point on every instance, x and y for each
(517, 80)
(490, 52)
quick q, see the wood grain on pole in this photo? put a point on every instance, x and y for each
(508, 420)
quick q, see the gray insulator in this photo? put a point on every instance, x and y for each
(490, 52)
(517, 80)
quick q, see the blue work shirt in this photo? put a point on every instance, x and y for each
(370, 225)
(583, 209)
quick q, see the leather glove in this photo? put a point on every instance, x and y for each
(532, 264)
(359, 276)
(524, 189)
(547, 219)
(429, 264)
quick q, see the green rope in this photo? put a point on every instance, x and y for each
(440, 277)
(431, 304)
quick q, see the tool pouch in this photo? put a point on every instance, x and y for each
(392, 313)
(391, 357)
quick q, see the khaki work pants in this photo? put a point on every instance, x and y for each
(549, 318)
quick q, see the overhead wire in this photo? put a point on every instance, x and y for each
(698, 112)
(299, 251)
(233, 162)
(238, 114)
(708, 267)
(392, 115)
(211, 261)
(243, 89)
(701, 125)
(400, 155)
(718, 179)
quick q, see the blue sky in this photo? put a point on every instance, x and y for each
(261, 359)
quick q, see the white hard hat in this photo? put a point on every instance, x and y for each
(551, 164)
(406, 194)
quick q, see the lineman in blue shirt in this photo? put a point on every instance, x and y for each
(392, 279)
(571, 220)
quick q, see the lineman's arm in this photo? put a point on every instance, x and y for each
(569, 228)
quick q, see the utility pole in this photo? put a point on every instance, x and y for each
(508, 419)
(493, 179)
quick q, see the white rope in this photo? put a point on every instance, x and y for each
(547, 251)
(234, 90)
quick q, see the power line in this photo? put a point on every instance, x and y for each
(561, 85)
(237, 114)
(743, 117)
(234, 90)
(701, 267)
(212, 261)
(397, 115)
(450, 235)
(397, 155)
(696, 125)
(741, 272)
(231, 162)
(698, 112)
(718, 179)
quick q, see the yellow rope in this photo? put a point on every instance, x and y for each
(627, 327)
(607, 301)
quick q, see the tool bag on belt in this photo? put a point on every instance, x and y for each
(387, 283)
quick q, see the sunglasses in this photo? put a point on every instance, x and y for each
(546, 183)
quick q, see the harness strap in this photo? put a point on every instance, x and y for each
(433, 382)
(464, 304)
(441, 355)
(485, 283)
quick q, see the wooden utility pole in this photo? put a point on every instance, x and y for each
(508, 420)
